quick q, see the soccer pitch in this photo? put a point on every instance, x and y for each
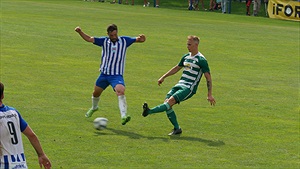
(49, 72)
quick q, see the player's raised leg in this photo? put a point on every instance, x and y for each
(167, 105)
(157, 109)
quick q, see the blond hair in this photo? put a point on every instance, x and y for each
(196, 39)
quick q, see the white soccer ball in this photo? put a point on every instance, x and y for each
(100, 123)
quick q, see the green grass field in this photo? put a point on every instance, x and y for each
(49, 73)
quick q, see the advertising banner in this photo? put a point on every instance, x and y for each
(284, 9)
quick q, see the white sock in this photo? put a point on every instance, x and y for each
(95, 101)
(122, 105)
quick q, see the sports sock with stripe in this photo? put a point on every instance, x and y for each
(160, 108)
(172, 117)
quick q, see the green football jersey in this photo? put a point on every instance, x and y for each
(194, 67)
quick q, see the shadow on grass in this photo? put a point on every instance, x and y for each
(213, 143)
(133, 135)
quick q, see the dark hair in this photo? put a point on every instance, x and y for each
(111, 28)
(1, 89)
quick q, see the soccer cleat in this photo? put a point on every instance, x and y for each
(145, 110)
(175, 132)
(90, 112)
(125, 119)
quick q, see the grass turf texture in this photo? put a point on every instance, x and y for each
(49, 72)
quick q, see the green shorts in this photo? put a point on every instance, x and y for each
(180, 93)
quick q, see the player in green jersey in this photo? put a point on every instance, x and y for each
(194, 66)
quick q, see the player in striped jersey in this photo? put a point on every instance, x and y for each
(11, 146)
(112, 66)
(194, 66)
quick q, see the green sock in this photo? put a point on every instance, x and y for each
(160, 108)
(172, 117)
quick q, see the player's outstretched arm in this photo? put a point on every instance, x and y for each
(84, 36)
(141, 38)
(172, 71)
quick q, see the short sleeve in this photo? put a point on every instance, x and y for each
(99, 41)
(204, 65)
(23, 123)
(129, 40)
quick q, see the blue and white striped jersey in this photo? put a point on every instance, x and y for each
(113, 54)
(11, 145)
